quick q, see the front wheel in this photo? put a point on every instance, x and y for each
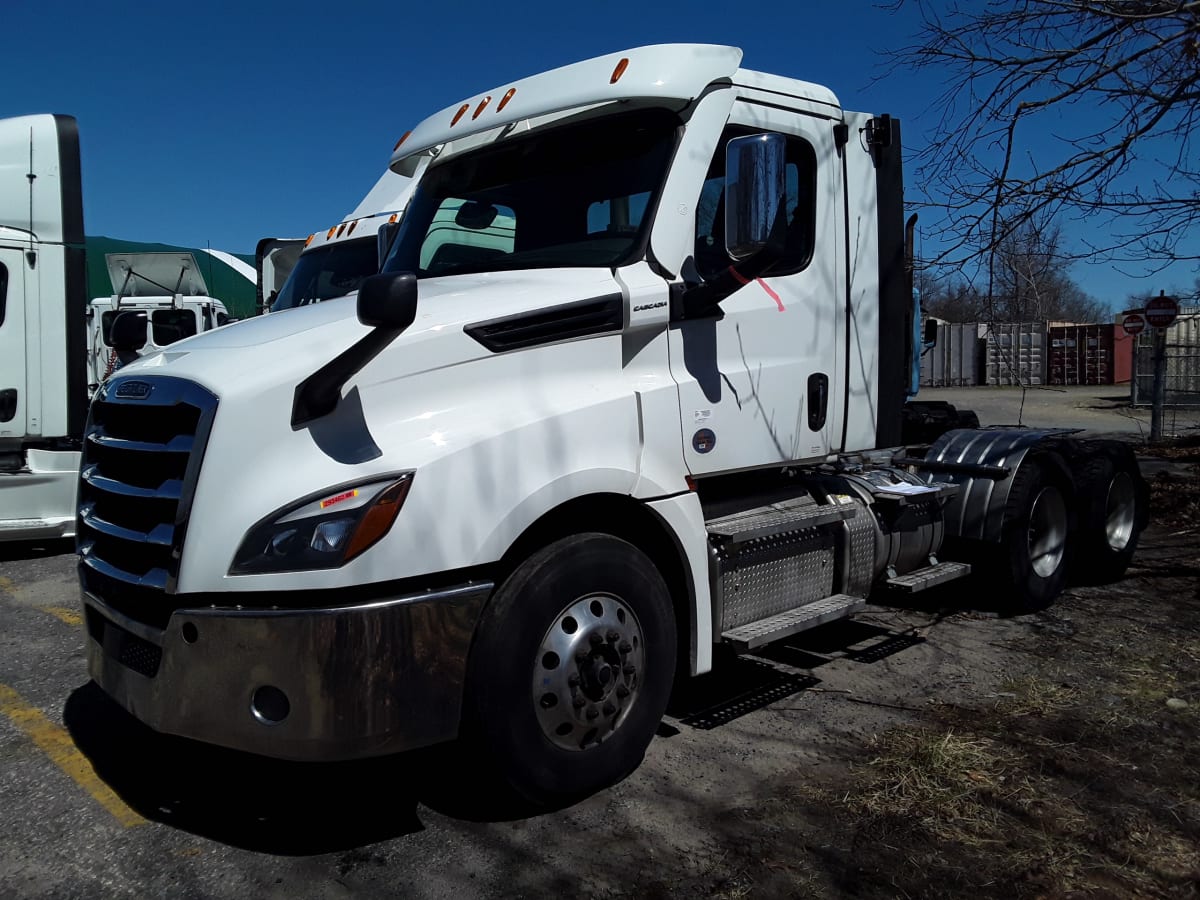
(572, 668)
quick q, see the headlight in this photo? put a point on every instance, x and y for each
(322, 531)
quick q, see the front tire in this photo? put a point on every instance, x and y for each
(571, 669)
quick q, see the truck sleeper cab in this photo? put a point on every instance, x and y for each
(519, 482)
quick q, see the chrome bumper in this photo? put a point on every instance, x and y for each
(359, 681)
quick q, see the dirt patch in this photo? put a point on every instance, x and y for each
(1078, 776)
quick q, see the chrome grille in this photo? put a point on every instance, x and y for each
(141, 456)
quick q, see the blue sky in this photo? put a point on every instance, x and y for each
(219, 123)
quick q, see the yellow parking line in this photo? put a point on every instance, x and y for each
(7, 586)
(56, 743)
(63, 614)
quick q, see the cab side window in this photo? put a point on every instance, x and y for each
(801, 182)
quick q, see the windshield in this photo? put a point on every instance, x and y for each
(577, 195)
(327, 272)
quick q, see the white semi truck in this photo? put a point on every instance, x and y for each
(510, 494)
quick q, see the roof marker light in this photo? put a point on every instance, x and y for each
(350, 230)
(403, 138)
(393, 218)
(330, 232)
(341, 229)
(619, 70)
(504, 100)
(310, 239)
(482, 105)
(462, 111)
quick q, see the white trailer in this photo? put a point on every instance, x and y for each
(513, 490)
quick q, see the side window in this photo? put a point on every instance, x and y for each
(466, 234)
(801, 182)
(171, 325)
(3, 292)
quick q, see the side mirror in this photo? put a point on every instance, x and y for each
(129, 332)
(388, 301)
(754, 190)
(929, 338)
(384, 238)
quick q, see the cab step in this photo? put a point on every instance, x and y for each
(777, 518)
(772, 628)
(928, 577)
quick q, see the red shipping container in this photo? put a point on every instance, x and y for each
(1123, 345)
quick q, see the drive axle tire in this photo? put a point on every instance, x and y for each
(571, 669)
(1112, 508)
(1033, 556)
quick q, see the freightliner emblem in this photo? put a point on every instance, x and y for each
(134, 390)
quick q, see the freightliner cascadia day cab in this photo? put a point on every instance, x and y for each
(510, 493)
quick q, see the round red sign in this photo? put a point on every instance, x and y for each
(1161, 311)
(1134, 323)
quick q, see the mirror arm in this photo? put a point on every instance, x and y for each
(319, 393)
(702, 300)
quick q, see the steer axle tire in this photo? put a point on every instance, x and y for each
(571, 670)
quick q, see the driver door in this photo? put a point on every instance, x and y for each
(757, 381)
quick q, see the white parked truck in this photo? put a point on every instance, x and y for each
(43, 295)
(511, 493)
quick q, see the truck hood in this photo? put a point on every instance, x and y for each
(256, 354)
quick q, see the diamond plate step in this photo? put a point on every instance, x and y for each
(772, 628)
(777, 518)
(930, 576)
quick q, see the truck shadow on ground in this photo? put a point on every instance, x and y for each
(18, 550)
(292, 808)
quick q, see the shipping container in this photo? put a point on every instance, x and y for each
(1016, 353)
(1183, 362)
(955, 360)
(1081, 354)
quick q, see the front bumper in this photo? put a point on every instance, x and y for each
(359, 680)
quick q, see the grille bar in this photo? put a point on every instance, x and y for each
(161, 535)
(181, 443)
(171, 489)
(155, 578)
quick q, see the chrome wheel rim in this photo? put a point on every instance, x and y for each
(1047, 538)
(587, 671)
(1120, 508)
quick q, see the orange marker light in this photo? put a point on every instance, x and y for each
(393, 218)
(338, 498)
(379, 518)
(403, 138)
(330, 232)
(482, 105)
(619, 70)
(504, 100)
(309, 241)
(353, 225)
(341, 229)
(462, 111)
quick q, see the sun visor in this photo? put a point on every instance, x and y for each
(670, 71)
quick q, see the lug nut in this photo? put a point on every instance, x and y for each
(579, 702)
(592, 714)
(581, 656)
(613, 637)
(609, 709)
(573, 679)
(629, 668)
(622, 691)
(596, 638)
(625, 647)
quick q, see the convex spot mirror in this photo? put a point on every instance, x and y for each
(129, 332)
(388, 301)
(754, 189)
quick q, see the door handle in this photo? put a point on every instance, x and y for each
(818, 400)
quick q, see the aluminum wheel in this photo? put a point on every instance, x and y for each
(1047, 531)
(585, 678)
(1120, 511)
